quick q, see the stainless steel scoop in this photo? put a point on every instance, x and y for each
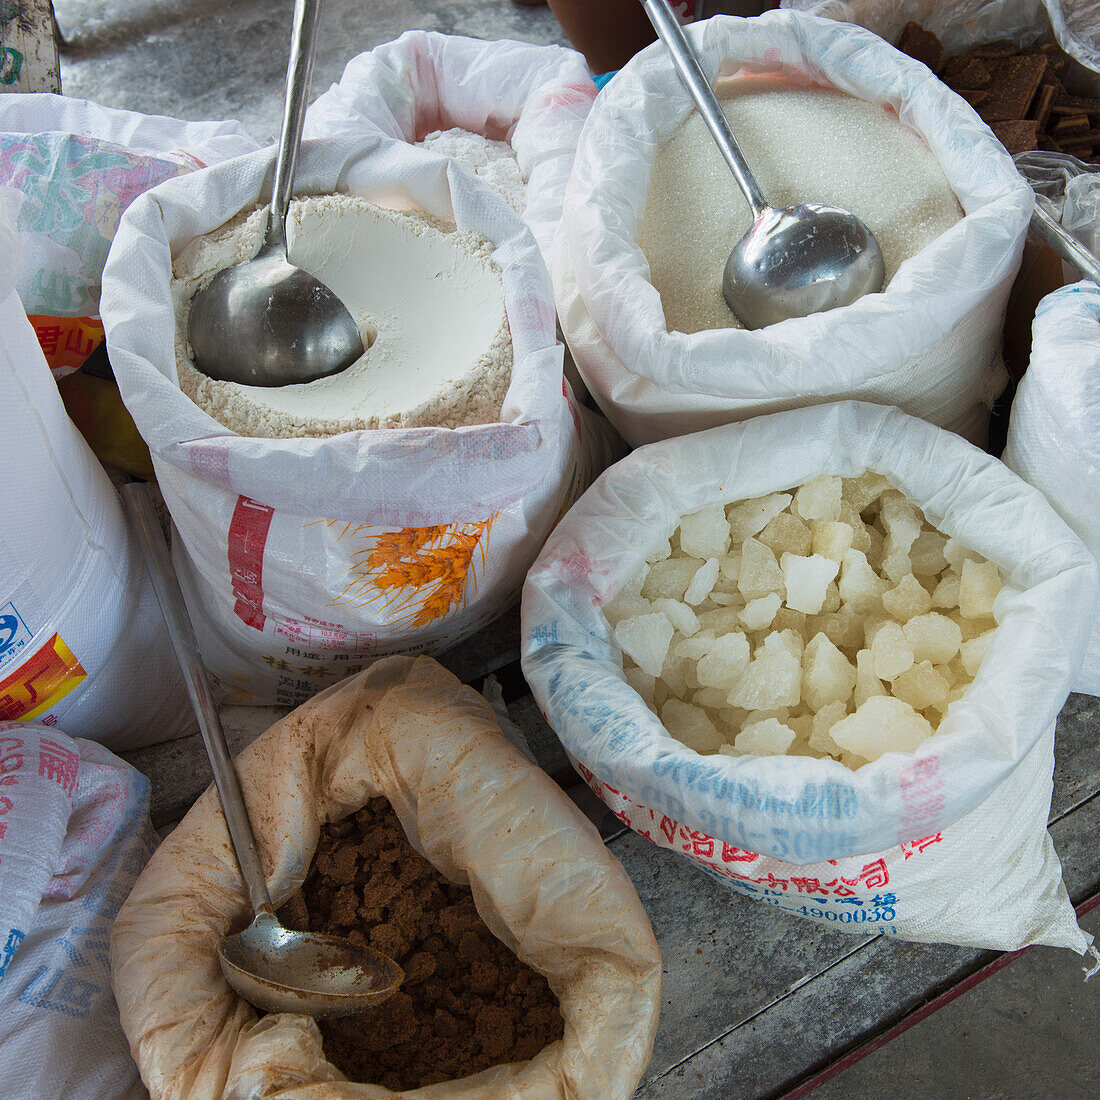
(266, 322)
(272, 967)
(793, 262)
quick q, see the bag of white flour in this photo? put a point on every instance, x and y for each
(540, 876)
(74, 835)
(511, 112)
(307, 557)
(1054, 430)
(944, 843)
(82, 642)
(928, 344)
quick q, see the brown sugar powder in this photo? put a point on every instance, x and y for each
(467, 1003)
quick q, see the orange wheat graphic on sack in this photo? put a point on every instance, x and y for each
(418, 572)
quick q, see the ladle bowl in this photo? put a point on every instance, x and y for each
(800, 260)
(279, 970)
(266, 322)
(792, 262)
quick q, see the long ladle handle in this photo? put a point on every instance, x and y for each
(153, 549)
(299, 70)
(698, 87)
(1064, 243)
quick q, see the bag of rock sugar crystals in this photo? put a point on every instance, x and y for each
(511, 112)
(947, 842)
(74, 834)
(469, 802)
(309, 547)
(640, 212)
(1054, 430)
(82, 641)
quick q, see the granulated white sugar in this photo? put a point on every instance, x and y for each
(430, 296)
(492, 161)
(803, 145)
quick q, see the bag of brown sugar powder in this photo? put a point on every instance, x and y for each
(541, 880)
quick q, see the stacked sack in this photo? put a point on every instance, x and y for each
(74, 835)
(1054, 431)
(928, 344)
(533, 99)
(82, 642)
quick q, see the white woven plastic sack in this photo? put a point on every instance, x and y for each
(535, 98)
(1054, 430)
(947, 843)
(961, 24)
(82, 642)
(929, 344)
(78, 166)
(74, 835)
(291, 549)
(541, 879)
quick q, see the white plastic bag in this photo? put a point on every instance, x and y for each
(946, 843)
(82, 641)
(1054, 430)
(283, 542)
(535, 98)
(79, 165)
(929, 344)
(475, 808)
(74, 834)
(961, 24)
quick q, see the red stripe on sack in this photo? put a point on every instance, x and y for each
(247, 537)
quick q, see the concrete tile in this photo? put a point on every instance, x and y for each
(1030, 1030)
(204, 59)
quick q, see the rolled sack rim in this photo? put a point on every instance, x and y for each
(574, 667)
(600, 220)
(352, 471)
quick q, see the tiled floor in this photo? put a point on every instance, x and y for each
(753, 1004)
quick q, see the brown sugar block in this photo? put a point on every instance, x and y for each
(922, 45)
(1076, 105)
(1041, 105)
(967, 72)
(1070, 124)
(1004, 48)
(1016, 136)
(1015, 81)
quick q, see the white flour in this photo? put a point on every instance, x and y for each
(803, 145)
(492, 161)
(430, 295)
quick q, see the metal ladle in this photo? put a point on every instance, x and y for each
(1051, 232)
(793, 262)
(266, 322)
(272, 967)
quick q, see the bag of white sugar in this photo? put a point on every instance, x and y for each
(1054, 430)
(821, 654)
(391, 508)
(82, 641)
(826, 113)
(510, 112)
